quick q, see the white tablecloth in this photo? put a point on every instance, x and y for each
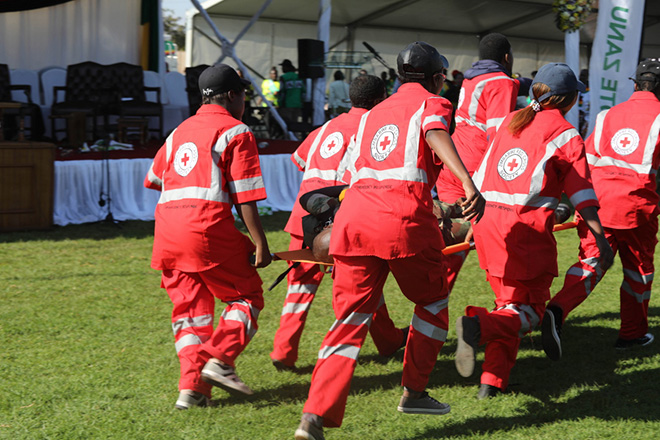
(81, 184)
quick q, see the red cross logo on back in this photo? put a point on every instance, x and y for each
(512, 165)
(625, 142)
(331, 145)
(185, 159)
(384, 143)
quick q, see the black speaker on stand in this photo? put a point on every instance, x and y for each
(310, 58)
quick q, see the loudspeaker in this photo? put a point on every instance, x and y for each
(310, 58)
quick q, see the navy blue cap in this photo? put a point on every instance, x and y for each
(420, 60)
(648, 70)
(219, 79)
(560, 78)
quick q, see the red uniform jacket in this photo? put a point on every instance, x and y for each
(623, 157)
(207, 164)
(483, 103)
(388, 211)
(522, 178)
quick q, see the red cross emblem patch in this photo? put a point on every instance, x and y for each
(625, 141)
(512, 164)
(331, 145)
(185, 159)
(384, 141)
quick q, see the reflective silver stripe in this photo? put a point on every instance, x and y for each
(188, 340)
(195, 321)
(479, 125)
(436, 307)
(312, 150)
(168, 145)
(353, 152)
(299, 160)
(242, 317)
(348, 351)
(536, 181)
(639, 297)
(302, 288)
(597, 275)
(409, 171)
(428, 329)
(478, 177)
(355, 319)
(646, 167)
(521, 199)
(294, 308)
(608, 161)
(638, 277)
(528, 317)
(194, 192)
(153, 178)
(598, 130)
(249, 184)
(494, 122)
(591, 159)
(391, 174)
(225, 138)
(582, 196)
(434, 118)
(320, 174)
(476, 96)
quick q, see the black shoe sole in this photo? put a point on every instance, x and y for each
(549, 337)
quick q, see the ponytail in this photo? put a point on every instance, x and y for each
(525, 116)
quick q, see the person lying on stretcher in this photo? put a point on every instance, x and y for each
(322, 205)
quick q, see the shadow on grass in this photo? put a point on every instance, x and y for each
(592, 380)
(129, 229)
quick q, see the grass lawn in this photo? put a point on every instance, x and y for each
(87, 352)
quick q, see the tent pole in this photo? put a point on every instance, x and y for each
(323, 34)
(228, 50)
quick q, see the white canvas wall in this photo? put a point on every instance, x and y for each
(83, 30)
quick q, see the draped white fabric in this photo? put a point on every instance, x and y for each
(80, 185)
(98, 30)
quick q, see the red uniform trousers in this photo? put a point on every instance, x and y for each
(518, 306)
(304, 281)
(454, 263)
(193, 296)
(357, 293)
(636, 247)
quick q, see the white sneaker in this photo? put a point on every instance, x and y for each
(223, 376)
(189, 398)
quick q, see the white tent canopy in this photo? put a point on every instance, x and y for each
(453, 26)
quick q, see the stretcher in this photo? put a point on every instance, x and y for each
(306, 255)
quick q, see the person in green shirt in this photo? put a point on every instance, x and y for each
(292, 89)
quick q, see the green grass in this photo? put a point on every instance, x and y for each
(87, 353)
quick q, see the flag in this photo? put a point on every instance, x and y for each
(615, 54)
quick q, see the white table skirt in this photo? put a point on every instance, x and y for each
(79, 185)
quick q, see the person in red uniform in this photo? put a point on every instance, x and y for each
(488, 93)
(208, 164)
(319, 156)
(386, 224)
(534, 157)
(623, 157)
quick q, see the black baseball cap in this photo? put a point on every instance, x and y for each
(219, 79)
(648, 70)
(560, 78)
(288, 64)
(420, 60)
